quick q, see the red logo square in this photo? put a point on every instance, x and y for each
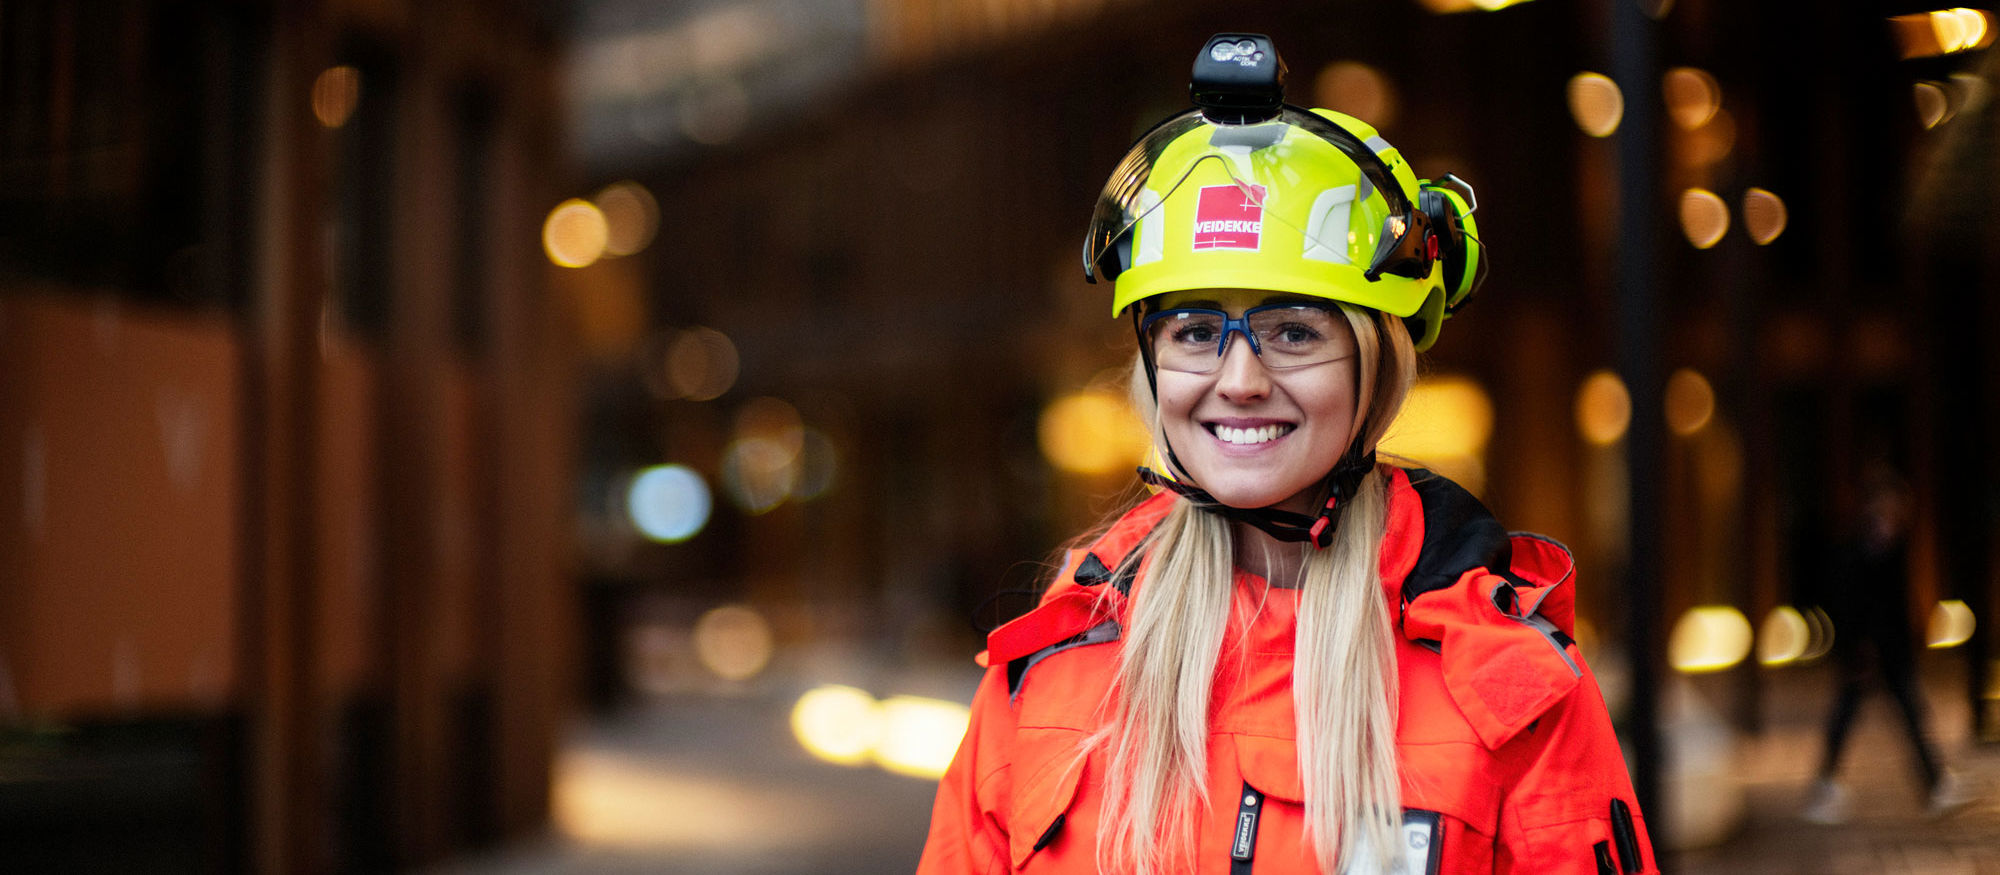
(1226, 217)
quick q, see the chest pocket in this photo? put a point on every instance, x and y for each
(1271, 777)
(1048, 774)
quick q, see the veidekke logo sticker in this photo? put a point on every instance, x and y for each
(1227, 218)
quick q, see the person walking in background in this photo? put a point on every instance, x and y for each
(1292, 658)
(1868, 603)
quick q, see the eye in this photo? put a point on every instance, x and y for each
(1294, 332)
(1194, 332)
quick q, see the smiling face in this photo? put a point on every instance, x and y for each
(1253, 436)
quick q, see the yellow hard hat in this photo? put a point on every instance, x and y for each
(1311, 202)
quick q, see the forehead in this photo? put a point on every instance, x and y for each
(1231, 300)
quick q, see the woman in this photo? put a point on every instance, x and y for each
(1292, 658)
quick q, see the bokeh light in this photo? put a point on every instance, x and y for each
(1603, 408)
(1596, 103)
(1692, 96)
(701, 364)
(773, 419)
(1704, 217)
(758, 473)
(1358, 90)
(920, 736)
(1934, 105)
(1445, 424)
(818, 465)
(1951, 624)
(335, 94)
(1783, 638)
(1711, 142)
(668, 503)
(1690, 401)
(1764, 216)
(574, 234)
(1708, 638)
(733, 641)
(838, 724)
(631, 217)
(1093, 431)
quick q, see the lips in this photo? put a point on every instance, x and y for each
(1245, 435)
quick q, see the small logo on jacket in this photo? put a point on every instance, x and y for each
(1229, 217)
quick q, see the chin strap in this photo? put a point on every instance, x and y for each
(1284, 524)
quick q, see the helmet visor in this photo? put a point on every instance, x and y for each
(1236, 175)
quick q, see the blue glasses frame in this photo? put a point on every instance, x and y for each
(1236, 324)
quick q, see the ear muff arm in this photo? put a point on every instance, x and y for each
(1450, 202)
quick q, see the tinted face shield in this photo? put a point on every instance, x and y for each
(1364, 219)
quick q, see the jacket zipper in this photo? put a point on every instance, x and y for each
(1244, 848)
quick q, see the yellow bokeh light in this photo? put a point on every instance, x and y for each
(1692, 96)
(335, 94)
(1784, 637)
(1764, 215)
(1596, 103)
(1951, 624)
(1092, 432)
(575, 233)
(1704, 217)
(1445, 424)
(759, 473)
(733, 641)
(838, 724)
(1358, 90)
(1603, 408)
(1690, 401)
(631, 217)
(1708, 638)
(919, 735)
(1942, 31)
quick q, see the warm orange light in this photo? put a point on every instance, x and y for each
(1690, 401)
(733, 641)
(631, 217)
(1092, 432)
(701, 364)
(1933, 104)
(1358, 90)
(1445, 425)
(1764, 215)
(575, 233)
(1603, 408)
(1596, 103)
(1692, 96)
(1704, 217)
(1708, 638)
(1783, 638)
(335, 94)
(1951, 624)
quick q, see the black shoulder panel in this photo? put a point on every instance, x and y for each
(1459, 534)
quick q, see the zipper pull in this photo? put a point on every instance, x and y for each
(1244, 848)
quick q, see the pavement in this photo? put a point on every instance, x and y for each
(710, 780)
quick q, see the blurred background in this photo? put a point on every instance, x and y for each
(594, 435)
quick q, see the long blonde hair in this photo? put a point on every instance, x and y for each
(1344, 678)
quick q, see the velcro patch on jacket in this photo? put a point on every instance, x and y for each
(1503, 670)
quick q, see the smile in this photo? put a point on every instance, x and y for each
(1258, 435)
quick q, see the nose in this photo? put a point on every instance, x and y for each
(1242, 377)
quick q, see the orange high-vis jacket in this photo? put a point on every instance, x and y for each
(1505, 750)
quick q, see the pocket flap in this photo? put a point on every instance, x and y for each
(1272, 766)
(1050, 773)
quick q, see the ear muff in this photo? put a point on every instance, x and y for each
(1462, 257)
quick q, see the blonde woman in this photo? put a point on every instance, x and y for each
(1292, 658)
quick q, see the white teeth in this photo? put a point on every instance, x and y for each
(1251, 435)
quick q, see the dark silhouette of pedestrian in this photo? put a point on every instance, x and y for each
(1873, 644)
